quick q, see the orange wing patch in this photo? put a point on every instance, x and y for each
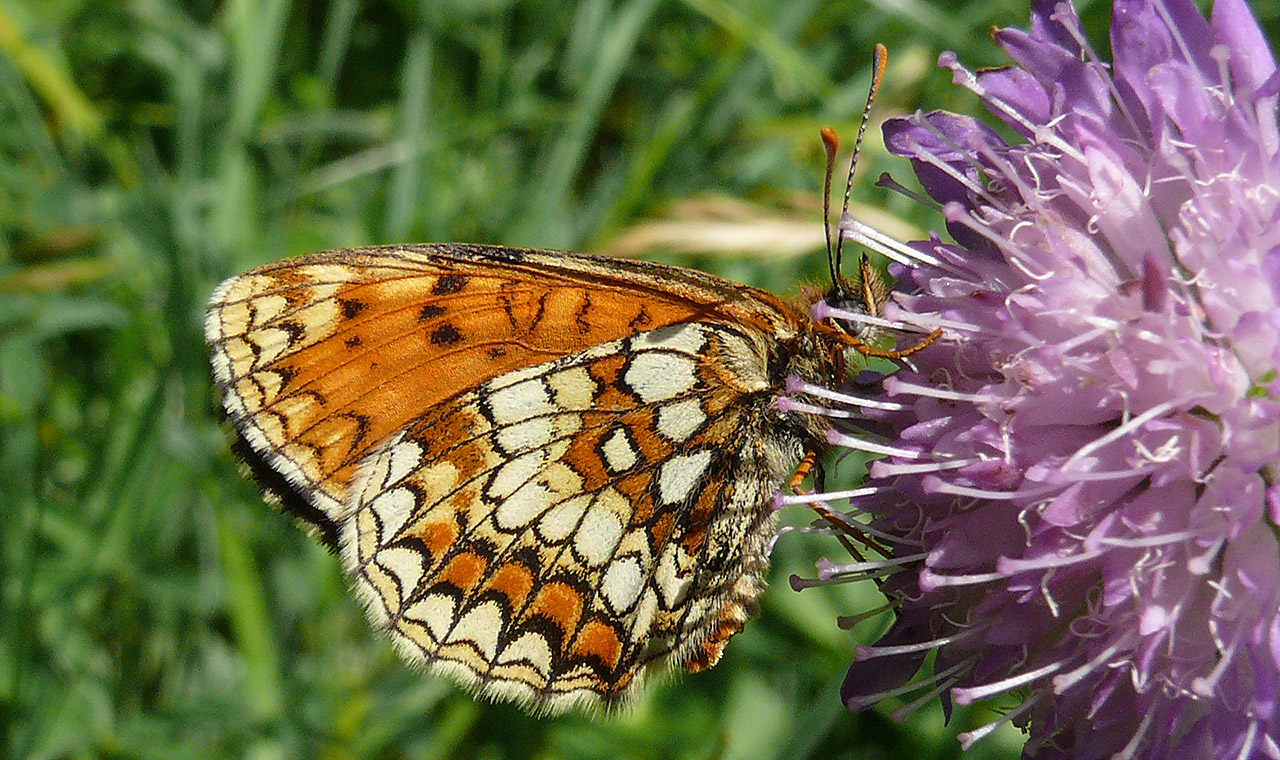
(323, 358)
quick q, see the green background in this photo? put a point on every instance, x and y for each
(151, 606)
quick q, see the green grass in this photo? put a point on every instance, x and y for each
(151, 606)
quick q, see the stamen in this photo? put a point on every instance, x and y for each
(799, 583)
(1156, 411)
(1061, 683)
(1202, 564)
(824, 310)
(890, 248)
(887, 182)
(931, 581)
(919, 152)
(934, 321)
(1250, 736)
(1141, 543)
(967, 80)
(895, 387)
(1091, 56)
(1011, 566)
(1063, 478)
(828, 569)
(836, 438)
(932, 484)
(848, 622)
(1139, 735)
(787, 404)
(807, 498)
(887, 538)
(864, 652)
(970, 738)
(797, 385)
(967, 695)
(1205, 685)
(885, 469)
(944, 681)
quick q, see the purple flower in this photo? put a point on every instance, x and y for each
(1079, 507)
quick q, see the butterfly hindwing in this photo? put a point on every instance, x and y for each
(549, 534)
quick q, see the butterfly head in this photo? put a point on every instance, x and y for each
(866, 296)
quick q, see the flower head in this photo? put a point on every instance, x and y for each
(1081, 498)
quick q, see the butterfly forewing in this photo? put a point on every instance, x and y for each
(545, 472)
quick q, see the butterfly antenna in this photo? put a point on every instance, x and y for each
(881, 60)
(832, 144)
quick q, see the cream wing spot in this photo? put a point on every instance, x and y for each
(531, 649)
(437, 481)
(516, 403)
(515, 473)
(320, 317)
(646, 611)
(524, 436)
(620, 453)
(271, 343)
(671, 580)
(686, 338)
(559, 522)
(562, 478)
(481, 627)
(405, 457)
(658, 375)
(234, 319)
(677, 421)
(405, 565)
(436, 612)
(372, 479)
(572, 388)
(393, 509)
(679, 474)
(240, 357)
(327, 279)
(598, 535)
(267, 308)
(272, 383)
(622, 584)
(522, 507)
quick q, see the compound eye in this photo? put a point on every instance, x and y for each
(839, 298)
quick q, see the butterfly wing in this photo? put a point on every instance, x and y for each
(548, 535)
(545, 472)
(323, 357)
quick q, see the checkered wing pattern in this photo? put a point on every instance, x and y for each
(545, 473)
(546, 536)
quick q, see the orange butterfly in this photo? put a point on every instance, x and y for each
(545, 473)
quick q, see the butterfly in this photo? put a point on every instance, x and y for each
(545, 473)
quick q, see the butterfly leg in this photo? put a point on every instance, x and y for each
(885, 353)
(844, 529)
(808, 464)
